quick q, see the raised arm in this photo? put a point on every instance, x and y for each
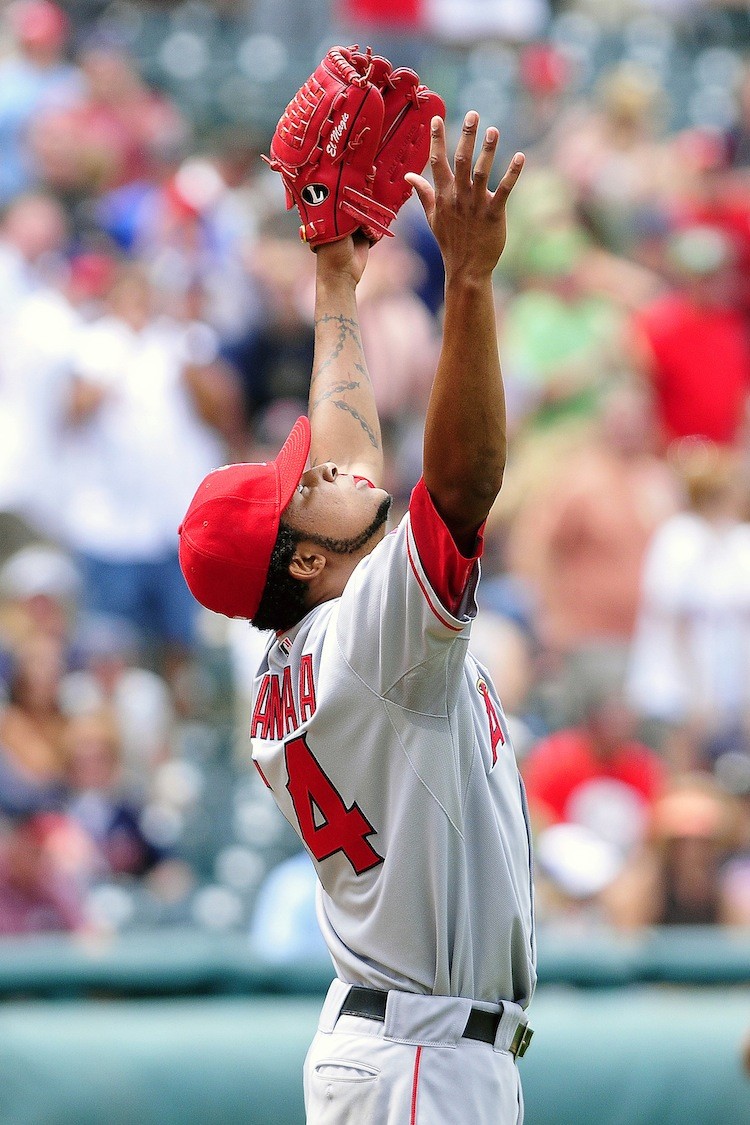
(343, 417)
(465, 440)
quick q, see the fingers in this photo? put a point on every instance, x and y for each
(462, 175)
(424, 190)
(508, 182)
(483, 166)
(441, 169)
(465, 151)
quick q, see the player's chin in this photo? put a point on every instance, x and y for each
(377, 528)
(384, 507)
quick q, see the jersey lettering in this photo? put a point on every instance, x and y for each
(496, 732)
(260, 724)
(326, 824)
(307, 702)
(275, 715)
(267, 714)
(288, 713)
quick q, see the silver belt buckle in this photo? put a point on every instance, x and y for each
(520, 1042)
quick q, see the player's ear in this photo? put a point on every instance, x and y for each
(307, 563)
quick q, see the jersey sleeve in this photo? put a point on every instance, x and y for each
(449, 573)
(406, 606)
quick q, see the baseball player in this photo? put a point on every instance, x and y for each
(382, 739)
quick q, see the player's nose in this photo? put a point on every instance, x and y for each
(327, 471)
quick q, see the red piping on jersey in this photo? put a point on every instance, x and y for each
(428, 599)
(414, 1086)
(263, 776)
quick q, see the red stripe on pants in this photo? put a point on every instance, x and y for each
(414, 1086)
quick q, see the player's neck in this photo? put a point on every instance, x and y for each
(331, 582)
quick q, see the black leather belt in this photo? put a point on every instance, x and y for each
(482, 1026)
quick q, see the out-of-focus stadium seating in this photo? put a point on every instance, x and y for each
(227, 69)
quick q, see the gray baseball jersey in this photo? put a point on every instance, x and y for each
(387, 749)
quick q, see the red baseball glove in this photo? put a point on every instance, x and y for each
(405, 141)
(345, 141)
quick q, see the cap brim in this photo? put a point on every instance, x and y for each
(292, 459)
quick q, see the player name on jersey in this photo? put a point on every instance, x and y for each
(275, 714)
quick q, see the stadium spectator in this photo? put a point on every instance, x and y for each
(136, 443)
(575, 869)
(545, 76)
(39, 890)
(97, 801)
(111, 675)
(678, 338)
(690, 659)
(595, 773)
(580, 537)
(35, 79)
(36, 353)
(562, 340)
(273, 359)
(104, 139)
(610, 152)
(32, 722)
(33, 240)
(714, 195)
(680, 875)
(39, 588)
(194, 229)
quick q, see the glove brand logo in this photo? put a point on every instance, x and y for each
(337, 133)
(315, 194)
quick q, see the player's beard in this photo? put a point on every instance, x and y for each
(357, 542)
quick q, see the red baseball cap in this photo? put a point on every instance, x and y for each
(230, 528)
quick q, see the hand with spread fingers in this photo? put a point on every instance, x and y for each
(467, 219)
(465, 432)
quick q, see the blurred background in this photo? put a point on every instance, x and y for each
(155, 322)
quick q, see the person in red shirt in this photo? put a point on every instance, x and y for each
(596, 773)
(109, 135)
(693, 345)
(715, 192)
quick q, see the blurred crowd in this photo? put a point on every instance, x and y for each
(156, 321)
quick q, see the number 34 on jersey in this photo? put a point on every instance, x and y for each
(326, 824)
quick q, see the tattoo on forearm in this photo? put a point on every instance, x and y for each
(339, 388)
(341, 405)
(347, 324)
(363, 371)
(348, 329)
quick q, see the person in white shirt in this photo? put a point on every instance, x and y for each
(136, 445)
(690, 658)
(36, 327)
